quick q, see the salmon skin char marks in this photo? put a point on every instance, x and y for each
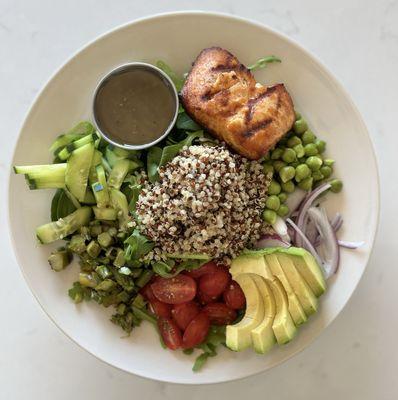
(222, 95)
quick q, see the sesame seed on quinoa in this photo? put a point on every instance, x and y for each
(208, 201)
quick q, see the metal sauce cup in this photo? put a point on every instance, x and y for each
(128, 67)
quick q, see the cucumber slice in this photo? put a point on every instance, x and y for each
(97, 159)
(78, 168)
(41, 171)
(64, 226)
(112, 157)
(60, 259)
(101, 195)
(45, 183)
(119, 172)
(105, 214)
(119, 202)
(62, 141)
(66, 152)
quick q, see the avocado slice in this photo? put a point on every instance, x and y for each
(304, 293)
(238, 336)
(304, 262)
(254, 264)
(295, 308)
(283, 325)
(263, 337)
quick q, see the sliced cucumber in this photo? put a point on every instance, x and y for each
(78, 168)
(97, 159)
(119, 172)
(119, 202)
(112, 157)
(66, 152)
(40, 183)
(101, 195)
(105, 214)
(41, 171)
(60, 259)
(62, 141)
(64, 226)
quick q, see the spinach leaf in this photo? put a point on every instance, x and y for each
(169, 152)
(134, 192)
(177, 80)
(186, 123)
(153, 160)
(263, 62)
(136, 246)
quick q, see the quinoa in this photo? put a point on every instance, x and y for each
(207, 201)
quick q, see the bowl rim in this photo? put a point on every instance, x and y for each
(257, 24)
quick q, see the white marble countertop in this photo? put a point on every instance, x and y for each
(357, 357)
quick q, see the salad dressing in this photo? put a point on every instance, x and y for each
(134, 106)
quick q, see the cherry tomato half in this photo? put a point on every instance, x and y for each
(170, 332)
(160, 309)
(147, 292)
(204, 269)
(184, 313)
(215, 283)
(234, 296)
(196, 331)
(205, 299)
(177, 290)
(220, 313)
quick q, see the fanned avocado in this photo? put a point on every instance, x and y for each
(238, 336)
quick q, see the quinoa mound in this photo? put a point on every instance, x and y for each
(207, 201)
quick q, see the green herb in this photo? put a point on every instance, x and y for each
(186, 123)
(177, 80)
(153, 160)
(136, 246)
(142, 314)
(200, 361)
(263, 62)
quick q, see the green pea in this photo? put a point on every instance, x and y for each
(336, 185)
(282, 197)
(299, 150)
(293, 141)
(273, 202)
(317, 176)
(314, 163)
(268, 169)
(287, 186)
(269, 216)
(283, 210)
(328, 162)
(276, 154)
(308, 137)
(306, 184)
(274, 187)
(297, 115)
(310, 149)
(302, 172)
(300, 126)
(289, 155)
(278, 165)
(326, 171)
(320, 145)
(287, 173)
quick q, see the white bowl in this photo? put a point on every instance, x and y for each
(177, 38)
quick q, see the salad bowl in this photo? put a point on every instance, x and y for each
(177, 38)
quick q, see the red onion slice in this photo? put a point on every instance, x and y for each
(307, 243)
(280, 228)
(271, 241)
(307, 203)
(331, 248)
(350, 245)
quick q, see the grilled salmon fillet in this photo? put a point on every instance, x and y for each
(222, 95)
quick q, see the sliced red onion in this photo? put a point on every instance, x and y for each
(306, 204)
(294, 199)
(307, 243)
(280, 228)
(330, 263)
(336, 224)
(350, 245)
(271, 241)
